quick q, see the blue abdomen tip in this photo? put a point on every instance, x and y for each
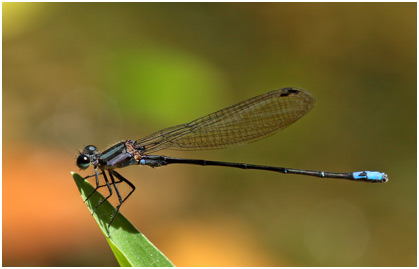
(372, 176)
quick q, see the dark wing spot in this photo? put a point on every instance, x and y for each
(289, 91)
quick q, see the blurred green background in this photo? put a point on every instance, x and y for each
(95, 73)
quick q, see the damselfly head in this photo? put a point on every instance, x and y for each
(85, 157)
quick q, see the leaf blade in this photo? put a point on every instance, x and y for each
(130, 247)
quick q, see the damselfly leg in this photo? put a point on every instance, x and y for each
(109, 183)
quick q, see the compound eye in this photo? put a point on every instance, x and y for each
(83, 161)
(90, 149)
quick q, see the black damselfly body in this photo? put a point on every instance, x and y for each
(245, 122)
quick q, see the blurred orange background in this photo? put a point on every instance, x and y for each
(76, 74)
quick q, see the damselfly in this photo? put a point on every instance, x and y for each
(245, 122)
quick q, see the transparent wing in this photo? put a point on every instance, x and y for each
(245, 122)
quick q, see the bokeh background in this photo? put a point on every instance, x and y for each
(95, 73)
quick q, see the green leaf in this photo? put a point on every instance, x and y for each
(130, 247)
